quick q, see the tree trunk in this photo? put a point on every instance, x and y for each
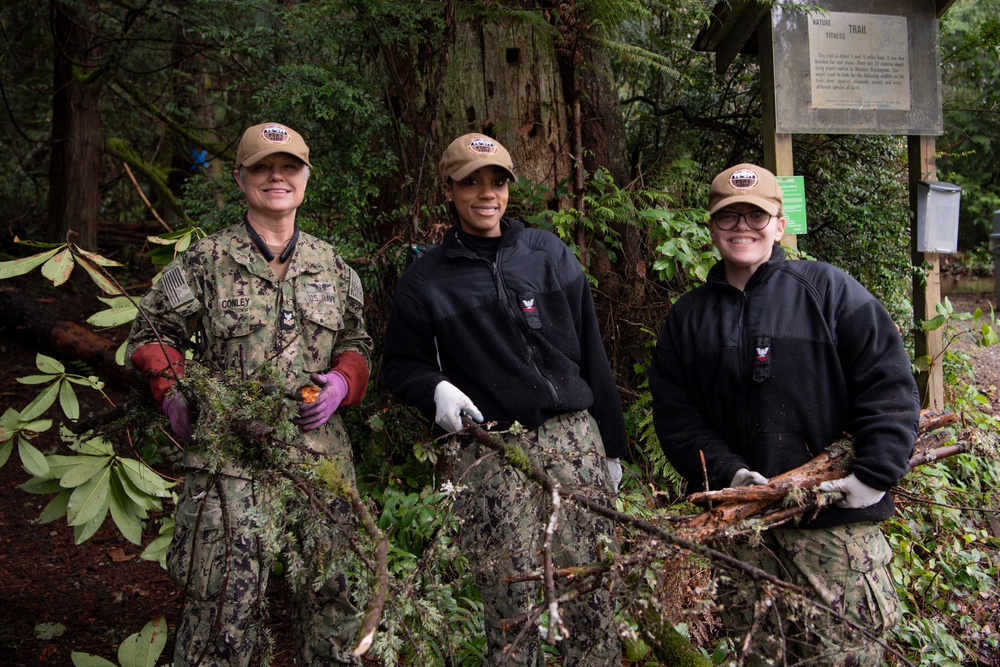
(503, 80)
(74, 195)
(589, 85)
(603, 135)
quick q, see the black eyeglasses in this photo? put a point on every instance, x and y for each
(727, 220)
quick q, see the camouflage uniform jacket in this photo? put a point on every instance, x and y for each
(222, 294)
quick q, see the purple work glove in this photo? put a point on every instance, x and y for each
(177, 411)
(332, 390)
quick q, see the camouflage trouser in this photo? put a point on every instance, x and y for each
(504, 518)
(216, 556)
(844, 568)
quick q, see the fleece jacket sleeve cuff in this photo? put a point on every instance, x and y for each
(354, 368)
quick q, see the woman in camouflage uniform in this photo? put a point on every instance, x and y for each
(257, 292)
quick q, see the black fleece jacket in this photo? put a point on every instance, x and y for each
(765, 379)
(518, 334)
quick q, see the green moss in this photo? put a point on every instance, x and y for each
(242, 421)
(676, 650)
(670, 647)
(330, 478)
(796, 497)
(518, 458)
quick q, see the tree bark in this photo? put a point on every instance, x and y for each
(74, 171)
(758, 501)
(503, 80)
(599, 142)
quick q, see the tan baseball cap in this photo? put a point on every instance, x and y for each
(745, 183)
(266, 139)
(473, 151)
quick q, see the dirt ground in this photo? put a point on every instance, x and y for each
(986, 360)
(58, 597)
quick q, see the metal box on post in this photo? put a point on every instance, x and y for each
(937, 216)
(995, 236)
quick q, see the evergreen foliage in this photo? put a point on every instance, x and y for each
(970, 150)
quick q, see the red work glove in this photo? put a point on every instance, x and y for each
(354, 368)
(157, 360)
(332, 391)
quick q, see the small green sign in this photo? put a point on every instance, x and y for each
(793, 191)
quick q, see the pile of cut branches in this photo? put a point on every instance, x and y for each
(794, 493)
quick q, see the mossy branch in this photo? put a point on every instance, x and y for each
(332, 480)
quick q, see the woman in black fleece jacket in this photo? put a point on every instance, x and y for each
(757, 372)
(498, 324)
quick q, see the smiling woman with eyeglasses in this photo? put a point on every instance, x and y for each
(745, 237)
(755, 373)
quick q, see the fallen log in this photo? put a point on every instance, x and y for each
(830, 464)
(794, 493)
(932, 420)
(39, 327)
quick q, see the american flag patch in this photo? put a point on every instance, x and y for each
(175, 287)
(356, 291)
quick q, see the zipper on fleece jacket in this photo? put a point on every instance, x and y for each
(498, 282)
(505, 303)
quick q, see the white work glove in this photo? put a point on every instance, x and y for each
(615, 472)
(746, 477)
(451, 403)
(857, 494)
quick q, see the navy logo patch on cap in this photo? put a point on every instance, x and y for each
(275, 135)
(744, 179)
(482, 146)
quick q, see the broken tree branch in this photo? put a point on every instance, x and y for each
(676, 539)
(373, 611)
(741, 509)
(680, 543)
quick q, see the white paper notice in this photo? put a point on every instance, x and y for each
(859, 61)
